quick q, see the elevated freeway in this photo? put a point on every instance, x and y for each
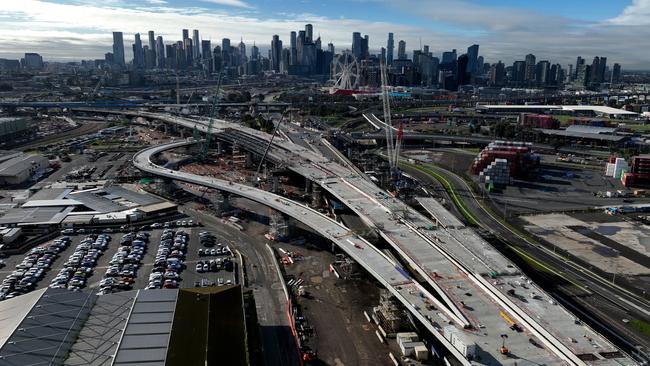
(480, 294)
(391, 275)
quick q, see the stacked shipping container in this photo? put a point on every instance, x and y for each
(539, 121)
(639, 171)
(519, 156)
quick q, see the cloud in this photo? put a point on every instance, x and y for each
(83, 30)
(637, 13)
(236, 3)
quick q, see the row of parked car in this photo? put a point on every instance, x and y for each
(125, 263)
(219, 250)
(169, 261)
(32, 268)
(81, 263)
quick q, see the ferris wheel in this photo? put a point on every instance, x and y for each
(345, 73)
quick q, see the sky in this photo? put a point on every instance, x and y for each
(506, 30)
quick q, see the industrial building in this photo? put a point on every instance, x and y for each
(12, 127)
(588, 135)
(19, 168)
(64, 207)
(203, 326)
(578, 110)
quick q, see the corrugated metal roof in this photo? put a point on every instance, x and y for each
(13, 312)
(98, 340)
(45, 335)
(147, 333)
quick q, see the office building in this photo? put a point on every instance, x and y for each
(293, 59)
(497, 74)
(33, 61)
(365, 52)
(152, 40)
(118, 49)
(390, 47)
(276, 53)
(197, 44)
(579, 61)
(530, 68)
(138, 53)
(472, 59)
(401, 50)
(160, 52)
(542, 73)
(463, 74)
(356, 45)
(309, 33)
(616, 74)
(255, 52)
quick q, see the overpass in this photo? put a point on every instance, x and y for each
(390, 274)
(120, 104)
(480, 293)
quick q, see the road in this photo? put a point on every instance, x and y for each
(602, 290)
(279, 348)
(391, 275)
(453, 266)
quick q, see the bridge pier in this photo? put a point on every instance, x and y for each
(308, 186)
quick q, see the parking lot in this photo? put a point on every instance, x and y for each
(86, 261)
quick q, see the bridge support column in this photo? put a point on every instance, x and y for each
(316, 196)
(219, 147)
(307, 186)
(249, 159)
(221, 203)
(276, 184)
(279, 227)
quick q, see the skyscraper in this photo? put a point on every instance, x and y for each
(276, 53)
(138, 54)
(118, 49)
(293, 56)
(390, 46)
(497, 74)
(518, 73)
(330, 48)
(542, 73)
(463, 76)
(356, 45)
(255, 52)
(309, 33)
(365, 53)
(579, 61)
(160, 52)
(472, 58)
(530, 68)
(401, 50)
(152, 41)
(186, 34)
(616, 74)
(242, 50)
(197, 44)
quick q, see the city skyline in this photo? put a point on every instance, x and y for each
(89, 37)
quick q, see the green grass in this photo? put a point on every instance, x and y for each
(641, 325)
(638, 128)
(474, 150)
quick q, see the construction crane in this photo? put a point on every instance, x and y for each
(387, 116)
(203, 154)
(266, 151)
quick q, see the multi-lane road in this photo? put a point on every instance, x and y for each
(600, 289)
(456, 264)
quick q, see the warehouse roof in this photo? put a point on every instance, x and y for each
(569, 108)
(17, 164)
(591, 129)
(584, 135)
(153, 327)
